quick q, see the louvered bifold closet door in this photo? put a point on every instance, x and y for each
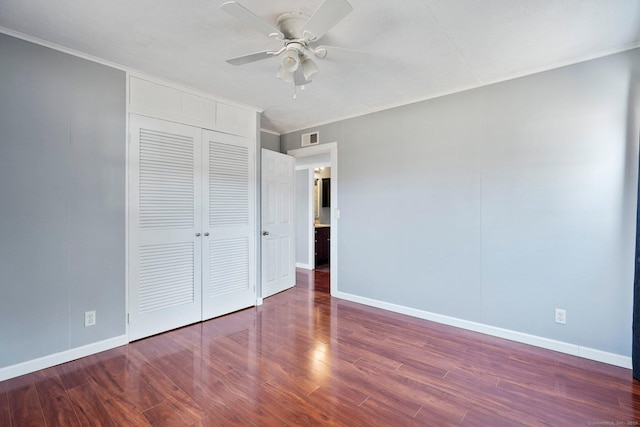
(228, 259)
(165, 222)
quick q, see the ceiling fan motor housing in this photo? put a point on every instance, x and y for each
(291, 24)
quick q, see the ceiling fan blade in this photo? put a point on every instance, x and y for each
(240, 12)
(299, 79)
(340, 53)
(326, 17)
(252, 57)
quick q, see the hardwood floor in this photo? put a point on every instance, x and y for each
(318, 280)
(305, 358)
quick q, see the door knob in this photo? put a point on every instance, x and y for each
(206, 233)
(197, 234)
(265, 233)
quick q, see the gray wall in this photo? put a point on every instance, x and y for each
(303, 216)
(499, 204)
(269, 141)
(62, 201)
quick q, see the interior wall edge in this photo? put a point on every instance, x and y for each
(511, 335)
(50, 360)
(390, 106)
(128, 70)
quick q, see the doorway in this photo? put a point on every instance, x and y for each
(321, 217)
(316, 214)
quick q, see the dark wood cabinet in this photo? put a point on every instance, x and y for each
(323, 238)
(326, 192)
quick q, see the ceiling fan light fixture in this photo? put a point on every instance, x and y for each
(285, 75)
(309, 68)
(290, 60)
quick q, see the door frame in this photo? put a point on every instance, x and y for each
(332, 149)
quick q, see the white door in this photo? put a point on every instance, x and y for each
(164, 226)
(228, 258)
(278, 251)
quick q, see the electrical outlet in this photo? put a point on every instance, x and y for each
(89, 318)
(561, 316)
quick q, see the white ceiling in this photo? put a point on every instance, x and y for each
(421, 48)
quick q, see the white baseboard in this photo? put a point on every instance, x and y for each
(537, 341)
(61, 357)
(605, 357)
(259, 301)
(304, 266)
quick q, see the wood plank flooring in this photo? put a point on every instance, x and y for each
(304, 358)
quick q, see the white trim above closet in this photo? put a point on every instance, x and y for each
(153, 98)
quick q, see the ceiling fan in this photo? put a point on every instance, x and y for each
(298, 32)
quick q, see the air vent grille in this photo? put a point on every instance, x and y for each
(310, 139)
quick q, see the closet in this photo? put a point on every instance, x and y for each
(192, 208)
